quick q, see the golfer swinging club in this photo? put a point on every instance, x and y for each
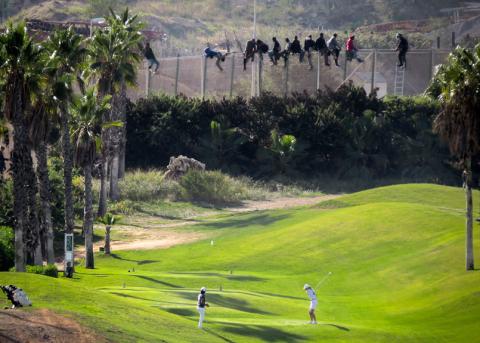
(313, 303)
(201, 304)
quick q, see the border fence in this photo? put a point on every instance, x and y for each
(196, 76)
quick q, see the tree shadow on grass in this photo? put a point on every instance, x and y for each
(184, 312)
(147, 278)
(259, 219)
(226, 276)
(138, 262)
(343, 328)
(225, 339)
(264, 333)
(227, 302)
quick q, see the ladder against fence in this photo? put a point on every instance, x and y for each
(195, 76)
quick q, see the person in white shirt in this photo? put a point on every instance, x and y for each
(201, 305)
(313, 303)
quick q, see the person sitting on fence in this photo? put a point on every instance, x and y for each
(274, 54)
(296, 48)
(249, 53)
(334, 48)
(321, 47)
(262, 48)
(352, 50)
(308, 47)
(150, 56)
(210, 53)
(402, 49)
(286, 51)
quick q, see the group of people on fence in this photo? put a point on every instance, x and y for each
(324, 47)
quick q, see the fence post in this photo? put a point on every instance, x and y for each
(259, 77)
(204, 77)
(232, 75)
(432, 63)
(287, 63)
(345, 68)
(453, 40)
(147, 82)
(253, 85)
(318, 71)
(374, 61)
(177, 71)
(438, 42)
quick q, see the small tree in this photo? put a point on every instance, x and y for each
(283, 147)
(87, 126)
(108, 220)
(457, 85)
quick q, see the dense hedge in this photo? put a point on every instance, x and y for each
(7, 252)
(345, 134)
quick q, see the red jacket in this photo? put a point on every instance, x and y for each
(351, 45)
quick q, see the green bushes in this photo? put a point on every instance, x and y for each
(211, 187)
(48, 270)
(7, 249)
(344, 134)
(6, 203)
(146, 186)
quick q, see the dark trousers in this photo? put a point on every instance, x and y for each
(402, 58)
(335, 54)
(248, 55)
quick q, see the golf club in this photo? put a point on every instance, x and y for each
(323, 280)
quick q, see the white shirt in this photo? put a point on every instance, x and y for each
(311, 294)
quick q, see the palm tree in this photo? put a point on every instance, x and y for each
(44, 111)
(114, 51)
(108, 220)
(457, 85)
(19, 61)
(67, 54)
(88, 113)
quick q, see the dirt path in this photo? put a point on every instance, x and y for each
(18, 326)
(162, 236)
(281, 203)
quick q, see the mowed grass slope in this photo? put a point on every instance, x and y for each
(396, 254)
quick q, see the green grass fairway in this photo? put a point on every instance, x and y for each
(396, 254)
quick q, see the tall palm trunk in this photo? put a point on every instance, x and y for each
(123, 141)
(469, 214)
(20, 158)
(107, 240)
(45, 197)
(88, 218)
(67, 169)
(116, 142)
(102, 202)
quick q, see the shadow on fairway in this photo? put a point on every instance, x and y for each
(226, 276)
(264, 333)
(260, 219)
(147, 278)
(227, 302)
(123, 295)
(343, 328)
(138, 262)
(184, 312)
(218, 336)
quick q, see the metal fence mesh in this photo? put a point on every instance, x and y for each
(185, 75)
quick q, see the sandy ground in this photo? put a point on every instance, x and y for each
(161, 236)
(18, 326)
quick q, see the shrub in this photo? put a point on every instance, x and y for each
(6, 203)
(7, 248)
(211, 187)
(48, 270)
(147, 186)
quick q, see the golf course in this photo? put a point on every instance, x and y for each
(396, 256)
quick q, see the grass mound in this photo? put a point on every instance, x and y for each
(396, 255)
